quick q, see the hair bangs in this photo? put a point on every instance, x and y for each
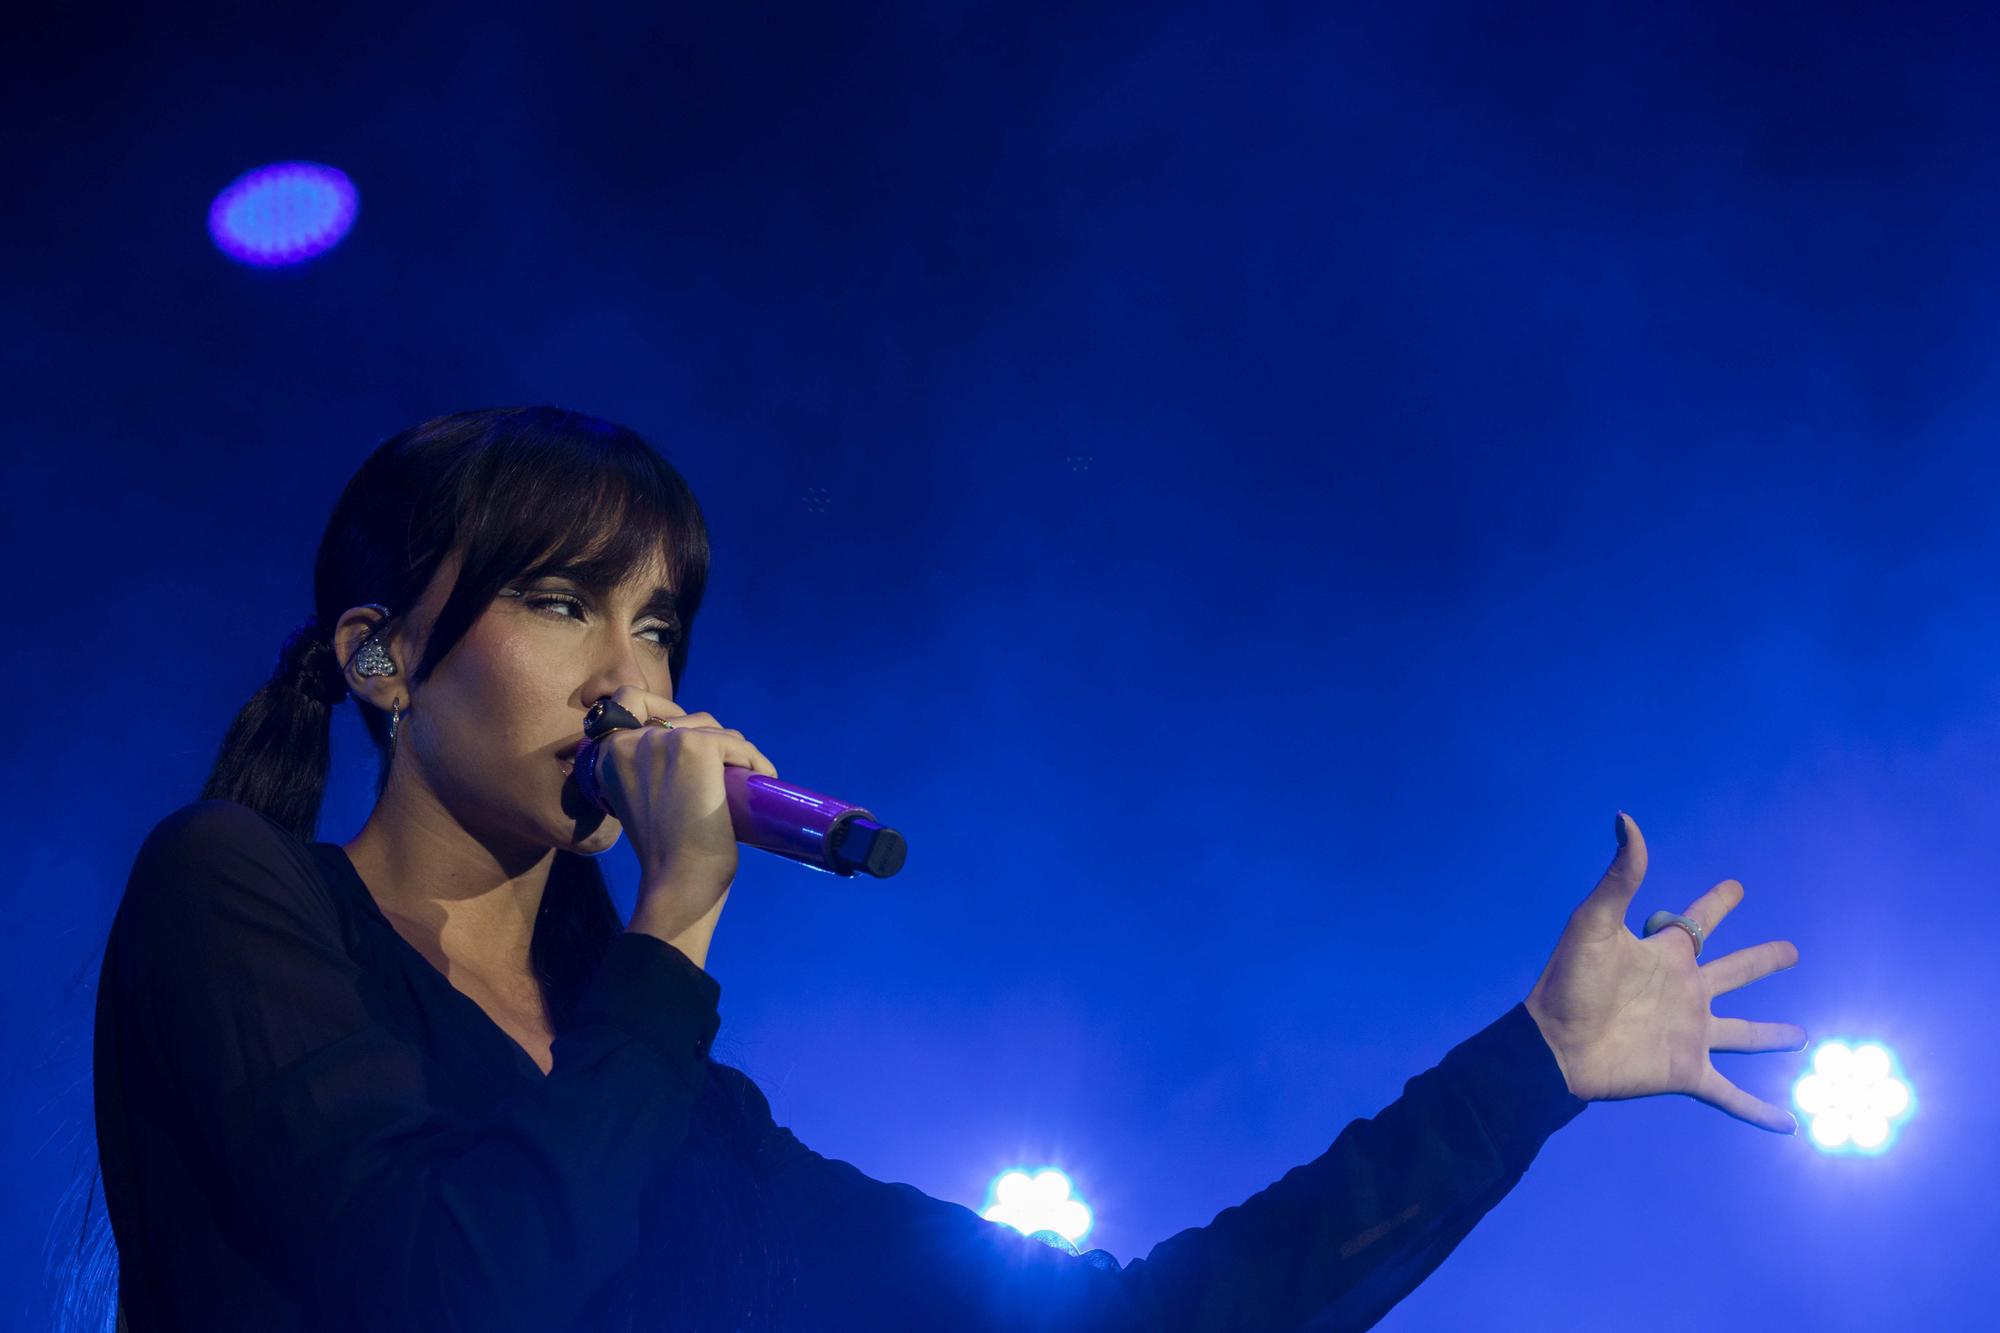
(561, 490)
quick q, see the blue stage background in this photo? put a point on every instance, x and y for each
(1292, 473)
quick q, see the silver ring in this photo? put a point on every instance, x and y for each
(1660, 920)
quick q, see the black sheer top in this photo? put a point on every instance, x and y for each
(303, 1125)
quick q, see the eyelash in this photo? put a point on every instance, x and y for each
(540, 601)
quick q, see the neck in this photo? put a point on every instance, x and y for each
(456, 896)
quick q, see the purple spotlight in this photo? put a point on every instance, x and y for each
(283, 213)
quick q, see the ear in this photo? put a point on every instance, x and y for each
(355, 625)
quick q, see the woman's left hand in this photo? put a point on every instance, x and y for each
(1628, 1017)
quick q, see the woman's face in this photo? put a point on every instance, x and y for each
(492, 732)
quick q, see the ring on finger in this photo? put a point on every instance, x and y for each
(1661, 919)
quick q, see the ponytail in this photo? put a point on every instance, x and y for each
(275, 756)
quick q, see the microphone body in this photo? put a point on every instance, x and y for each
(794, 822)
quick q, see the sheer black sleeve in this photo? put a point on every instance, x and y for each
(1333, 1244)
(264, 1043)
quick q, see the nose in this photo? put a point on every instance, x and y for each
(624, 662)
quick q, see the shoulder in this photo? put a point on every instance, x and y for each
(213, 823)
(210, 839)
(220, 857)
(742, 1102)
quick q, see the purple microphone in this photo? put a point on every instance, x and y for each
(800, 825)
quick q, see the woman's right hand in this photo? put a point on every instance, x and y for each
(665, 787)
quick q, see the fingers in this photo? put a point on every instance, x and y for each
(736, 750)
(1744, 966)
(1711, 907)
(643, 704)
(1720, 1093)
(1736, 1034)
(1612, 897)
(743, 754)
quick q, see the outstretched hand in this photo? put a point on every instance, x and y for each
(1628, 1017)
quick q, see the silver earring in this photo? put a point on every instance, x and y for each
(395, 719)
(373, 659)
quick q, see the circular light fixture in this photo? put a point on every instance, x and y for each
(284, 213)
(1041, 1202)
(1854, 1096)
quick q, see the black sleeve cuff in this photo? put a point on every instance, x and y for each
(652, 990)
(1509, 1074)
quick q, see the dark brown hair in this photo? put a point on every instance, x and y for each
(518, 491)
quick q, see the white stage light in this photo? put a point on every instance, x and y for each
(1042, 1201)
(1854, 1098)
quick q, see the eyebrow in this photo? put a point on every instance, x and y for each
(661, 601)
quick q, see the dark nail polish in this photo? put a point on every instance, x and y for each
(1618, 826)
